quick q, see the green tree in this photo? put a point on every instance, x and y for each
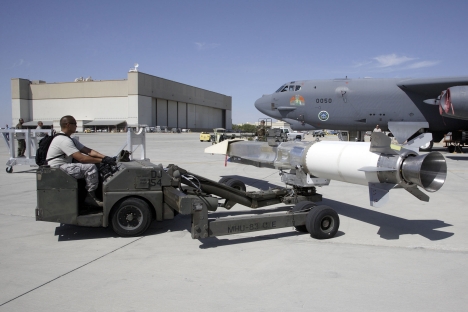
(249, 128)
(245, 128)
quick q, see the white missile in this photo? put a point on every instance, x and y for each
(378, 165)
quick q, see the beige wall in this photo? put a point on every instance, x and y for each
(85, 89)
(83, 109)
(20, 109)
(141, 99)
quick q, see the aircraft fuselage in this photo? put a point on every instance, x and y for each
(354, 104)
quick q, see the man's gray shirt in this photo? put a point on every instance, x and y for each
(60, 145)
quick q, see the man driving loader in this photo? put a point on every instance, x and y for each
(76, 159)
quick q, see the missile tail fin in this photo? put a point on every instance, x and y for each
(378, 193)
(417, 193)
(381, 143)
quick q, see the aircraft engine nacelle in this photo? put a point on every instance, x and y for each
(454, 102)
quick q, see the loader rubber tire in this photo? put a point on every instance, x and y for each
(322, 222)
(303, 205)
(237, 184)
(132, 217)
(223, 180)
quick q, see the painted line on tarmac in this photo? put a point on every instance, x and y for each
(81, 266)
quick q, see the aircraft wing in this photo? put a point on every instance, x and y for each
(431, 87)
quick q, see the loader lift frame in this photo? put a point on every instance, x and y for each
(319, 220)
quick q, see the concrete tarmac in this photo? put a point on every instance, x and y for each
(407, 256)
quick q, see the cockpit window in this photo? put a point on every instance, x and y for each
(285, 88)
(280, 89)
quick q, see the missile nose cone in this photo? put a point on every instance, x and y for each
(427, 171)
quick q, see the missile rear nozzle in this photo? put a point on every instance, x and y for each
(427, 171)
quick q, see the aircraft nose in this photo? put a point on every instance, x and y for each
(263, 105)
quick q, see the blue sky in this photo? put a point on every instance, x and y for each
(238, 48)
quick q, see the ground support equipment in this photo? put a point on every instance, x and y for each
(137, 192)
(32, 137)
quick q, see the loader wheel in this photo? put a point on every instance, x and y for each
(9, 169)
(451, 148)
(303, 205)
(237, 184)
(131, 218)
(223, 180)
(322, 222)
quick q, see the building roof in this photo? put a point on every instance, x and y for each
(34, 123)
(104, 122)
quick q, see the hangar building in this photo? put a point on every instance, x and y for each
(140, 100)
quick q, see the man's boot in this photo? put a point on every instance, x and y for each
(92, 200)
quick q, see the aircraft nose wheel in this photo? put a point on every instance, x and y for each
(322, 222)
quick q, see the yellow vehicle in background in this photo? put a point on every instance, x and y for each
(205, 137)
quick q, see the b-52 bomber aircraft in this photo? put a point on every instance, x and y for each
(406, 107)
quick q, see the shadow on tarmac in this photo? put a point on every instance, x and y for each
(67, 232)
(25, 171)
(213, 242)
(391, 227)
(457, 157)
